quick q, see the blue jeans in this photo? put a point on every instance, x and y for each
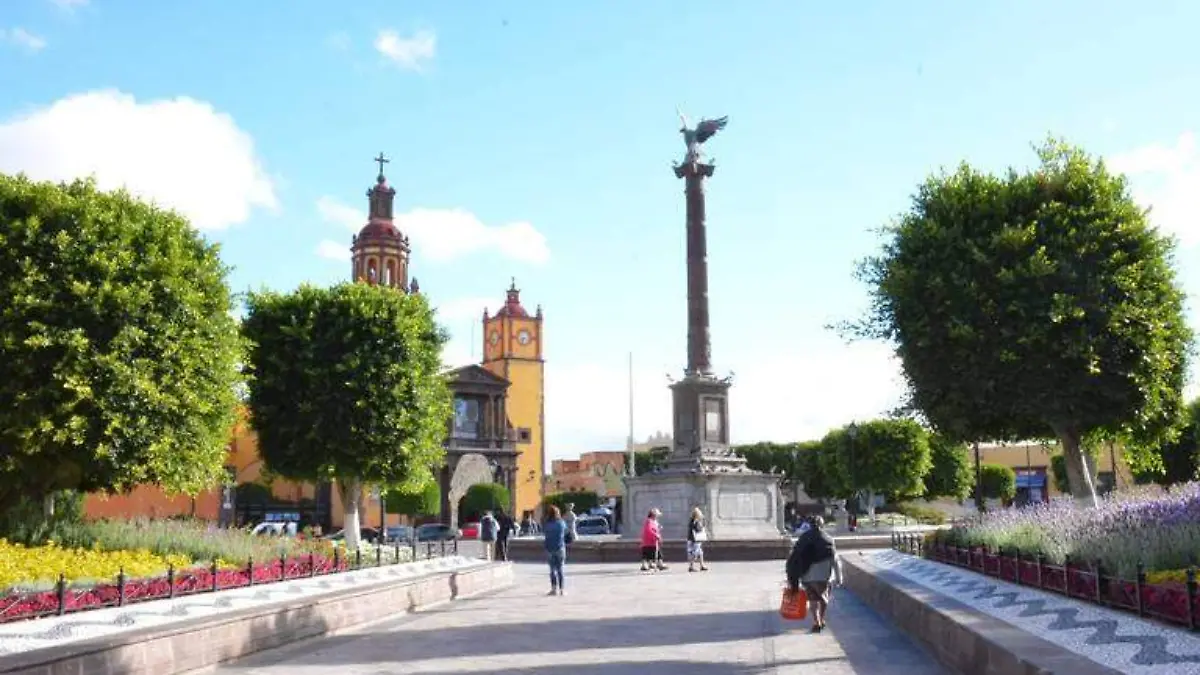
(557, 560)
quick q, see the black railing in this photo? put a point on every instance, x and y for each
(66, 597)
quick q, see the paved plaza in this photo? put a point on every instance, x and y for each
(614, 619)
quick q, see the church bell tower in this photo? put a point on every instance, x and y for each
(380, 252)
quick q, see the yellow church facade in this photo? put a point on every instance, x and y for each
(512, 349)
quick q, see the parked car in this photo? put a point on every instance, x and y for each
(366, 534)
(592, 525)
(437, 532)
(402, 533)
(470, 531)
(271, 529)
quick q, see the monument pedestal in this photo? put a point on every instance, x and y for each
(736, 505)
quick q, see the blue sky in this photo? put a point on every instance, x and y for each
(535, 139)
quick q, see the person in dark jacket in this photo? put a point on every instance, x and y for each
(506, 530)
(814, 563)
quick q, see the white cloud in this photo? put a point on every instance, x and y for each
(409, 53)
(1167, 179)
(332, 250)
(181, 153)
(441, 235)
(23, 39)
(841, 383)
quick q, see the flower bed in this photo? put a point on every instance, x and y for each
(1136, 551)
(65, 597)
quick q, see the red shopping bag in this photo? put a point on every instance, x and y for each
(794, 606)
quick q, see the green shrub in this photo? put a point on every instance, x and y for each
(483, 497)
(924, 514)
(999, 482)
(584, 501)
(24, 522)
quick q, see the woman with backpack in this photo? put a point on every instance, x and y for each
(814, 562)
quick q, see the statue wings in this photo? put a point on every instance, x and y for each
(706, 128)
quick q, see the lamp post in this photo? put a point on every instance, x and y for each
(852, 515)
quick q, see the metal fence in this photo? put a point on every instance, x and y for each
(66, 597)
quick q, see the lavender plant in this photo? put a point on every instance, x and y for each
(1160, 528)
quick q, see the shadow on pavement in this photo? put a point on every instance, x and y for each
(391, 641)
(666, 667)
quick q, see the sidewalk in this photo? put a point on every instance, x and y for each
(615, 620)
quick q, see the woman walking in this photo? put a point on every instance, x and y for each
(696, 537)
(555, 530)
(814, 562)
(652, 542)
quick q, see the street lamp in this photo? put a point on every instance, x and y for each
(852, 435)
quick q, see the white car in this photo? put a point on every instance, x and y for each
(274, 529)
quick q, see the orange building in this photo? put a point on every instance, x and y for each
(599, 472)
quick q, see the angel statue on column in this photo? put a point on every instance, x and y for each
(695, 137)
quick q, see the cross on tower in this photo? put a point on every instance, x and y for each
(381, 160)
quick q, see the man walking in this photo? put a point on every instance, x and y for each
(488, 528)
(503, 533)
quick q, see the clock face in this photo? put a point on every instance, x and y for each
(494, 338)
(523, 337)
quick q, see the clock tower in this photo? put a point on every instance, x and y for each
(512, 349)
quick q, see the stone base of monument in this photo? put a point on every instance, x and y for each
(736, 505)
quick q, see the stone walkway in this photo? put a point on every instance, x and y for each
(1116, 639)
(614, 619)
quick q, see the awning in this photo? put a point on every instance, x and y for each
(1036, 480)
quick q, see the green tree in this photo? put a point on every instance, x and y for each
(887, 457)
(951, 473)
(584, 500)
(809, 472)
(118, 353)
(346, 386)
(999, 482)
(649, 461)
(482, 497)
(1181, 457)
(1034, 303)
(426, 501)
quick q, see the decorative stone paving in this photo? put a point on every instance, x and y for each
(24, 636)
(614, 620)
(1118, 640)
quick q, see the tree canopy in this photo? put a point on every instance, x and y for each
(346, 386)
(426, 501)
(1035, 303)
(118, 353)
(950, 472)
(882, 457)
(998, 482)
(648, 461)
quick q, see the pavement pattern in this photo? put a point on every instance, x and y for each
(613, 619)
(1116, 639)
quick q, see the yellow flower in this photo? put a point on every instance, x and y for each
(40, 565)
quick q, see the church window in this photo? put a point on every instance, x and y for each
(468, 418)
(524, 435)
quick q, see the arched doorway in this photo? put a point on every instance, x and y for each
(471, 469)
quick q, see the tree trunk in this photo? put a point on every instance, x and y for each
(48, 506)
(351, 490)
(1079, 474)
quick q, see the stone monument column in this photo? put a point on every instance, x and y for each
(702, 471)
